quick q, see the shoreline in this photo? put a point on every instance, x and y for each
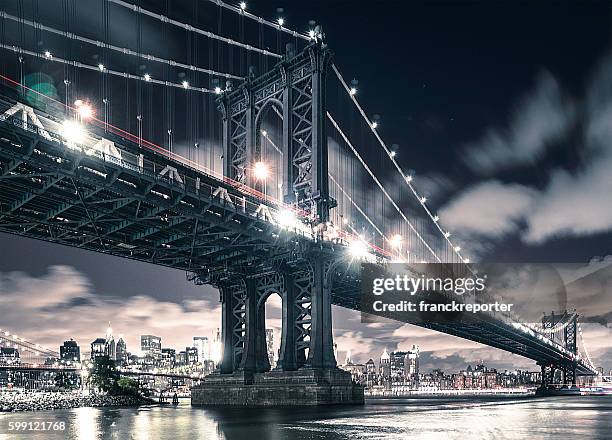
(450, 394)
(11, 402)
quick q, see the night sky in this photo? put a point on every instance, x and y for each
(503, 110)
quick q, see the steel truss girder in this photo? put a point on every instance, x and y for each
(94, 189)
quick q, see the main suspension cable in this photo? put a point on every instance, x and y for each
(123, 50)
(382, 188)
(190, 28)
(55, 59)
(406, 178)
(261, 20)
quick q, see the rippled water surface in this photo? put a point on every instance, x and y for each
(524, 418)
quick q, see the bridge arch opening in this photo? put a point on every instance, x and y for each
(271, 317)
(269, 147)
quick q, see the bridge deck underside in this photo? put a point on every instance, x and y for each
(58, 194)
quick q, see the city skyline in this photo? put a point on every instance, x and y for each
(394, 366)
(430, 360)
(362, 340)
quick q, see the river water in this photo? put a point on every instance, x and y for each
(449, 418)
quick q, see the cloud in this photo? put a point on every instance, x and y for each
(61, 304)
(575, 204)
(541, 118)
(490, 209)
(573, 272)
(571, 203)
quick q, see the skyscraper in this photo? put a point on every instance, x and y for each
(217, 349)
(202, 345)
(98, 348)
(70, 351)
(398, 364)
(150, 345)
(109, 345)
(385, 364)
(270, 346)
(168, 357)
(412, 364)
(348, 360)
(191, 355)
(121, 351)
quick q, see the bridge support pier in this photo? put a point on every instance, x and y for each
(563, 383)
(244, 378)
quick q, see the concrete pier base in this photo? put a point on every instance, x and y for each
(552, 391)
(304, 387)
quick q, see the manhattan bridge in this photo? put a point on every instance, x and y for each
(267, 176)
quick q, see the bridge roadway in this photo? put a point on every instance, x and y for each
(127, 198)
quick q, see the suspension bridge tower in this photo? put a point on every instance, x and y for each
(562, 328)
(306, 373)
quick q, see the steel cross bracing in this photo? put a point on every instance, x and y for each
(296, 87)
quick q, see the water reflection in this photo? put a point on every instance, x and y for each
(563, 417)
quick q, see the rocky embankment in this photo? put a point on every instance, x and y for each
(40, 401)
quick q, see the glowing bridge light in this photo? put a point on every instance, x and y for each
(243, 5)
(84, 109)
(447, 234)
(48, 54)
(311, 33)
(396, 241)
(358, 248)
(147, 77)
(101, 67)
(281, 21)
(353, 91)
(457, 248)
(374, 124)
(264, 133)
(218, 90)
(409, 178)
(423, 199)
(286, 218)
(436, 218)
(261, 170)
(73, 132)
(393, 154)
(466, 260)
(185, 84)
